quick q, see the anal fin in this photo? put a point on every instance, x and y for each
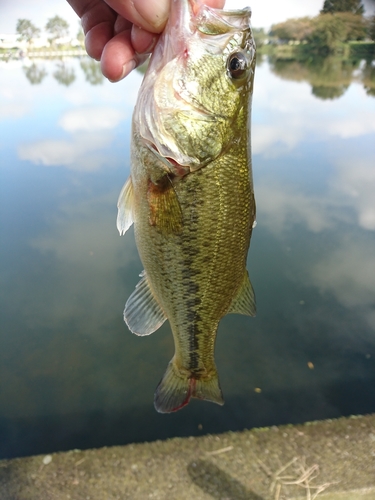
(244, 300)
(143, 314)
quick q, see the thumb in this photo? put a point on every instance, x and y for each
(154, 12)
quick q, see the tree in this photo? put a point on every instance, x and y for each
(331, 6)
(292, 29)
(327, 92)
(356, 25)
(80, 35)
(259, 36)
(92, 71)
(34, 74)
(328, 34)
(26, 30)
(64, 74)
(330, 31)
(371, 28)
(57, 27)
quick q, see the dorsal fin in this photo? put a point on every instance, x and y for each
(125, 207)
(244, 300)
(142, 313)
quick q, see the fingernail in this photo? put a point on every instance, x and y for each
(154, 12)
(151, 46)
(126, 69)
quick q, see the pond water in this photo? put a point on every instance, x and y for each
(71, 374)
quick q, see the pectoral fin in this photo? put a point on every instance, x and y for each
(244, 301)
(165, 209)
(142, 313)
(125, 207)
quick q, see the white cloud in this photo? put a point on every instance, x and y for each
(350, 199)
(266, 13)
(355, 183)
(272, 141)
(91, 118)
(347, 273)
(280, 207)
(288, 115)
(352, 126)
(13, 110)
(81, 153)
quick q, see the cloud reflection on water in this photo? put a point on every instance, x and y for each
(67, 346)
(83, 152)
(355, 182)
(347, 273)
(285, 115)
(91, 118)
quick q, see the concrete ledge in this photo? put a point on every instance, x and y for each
(332, 459)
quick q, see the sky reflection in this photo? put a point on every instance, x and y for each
(65, 273)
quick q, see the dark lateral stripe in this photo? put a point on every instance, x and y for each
(193, 319)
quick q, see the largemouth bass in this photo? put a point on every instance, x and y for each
(190, 192)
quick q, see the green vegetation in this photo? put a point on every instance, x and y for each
(35, 74)
(331, 6)
(339, 24)
(26, 30)
(260, 36)
(371, 28)
(92, 71)
(64, 74)
(328, 51)
(329, 76)
(330, 31)
(57, 27)
(324, 34)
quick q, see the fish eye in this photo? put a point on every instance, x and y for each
(237, 65)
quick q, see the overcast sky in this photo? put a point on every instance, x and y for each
(265, 12)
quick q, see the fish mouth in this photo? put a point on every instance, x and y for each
(167, 96)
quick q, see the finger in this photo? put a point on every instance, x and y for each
(216, 4)
(143, 41)
(118, 57)
(97, 20)
(96, 39)
(150, 15)
(96, 13)
(154, 12)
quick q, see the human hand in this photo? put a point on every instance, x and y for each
(120, 33)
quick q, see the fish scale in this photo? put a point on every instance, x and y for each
(190, 195)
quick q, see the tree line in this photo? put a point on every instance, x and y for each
(338, 22)
(56, 27)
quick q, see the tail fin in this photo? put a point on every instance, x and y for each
(174, 390)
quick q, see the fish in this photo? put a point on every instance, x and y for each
(190, 192)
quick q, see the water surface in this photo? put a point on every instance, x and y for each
(71, 374)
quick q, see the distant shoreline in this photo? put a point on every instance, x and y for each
(42, 53)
